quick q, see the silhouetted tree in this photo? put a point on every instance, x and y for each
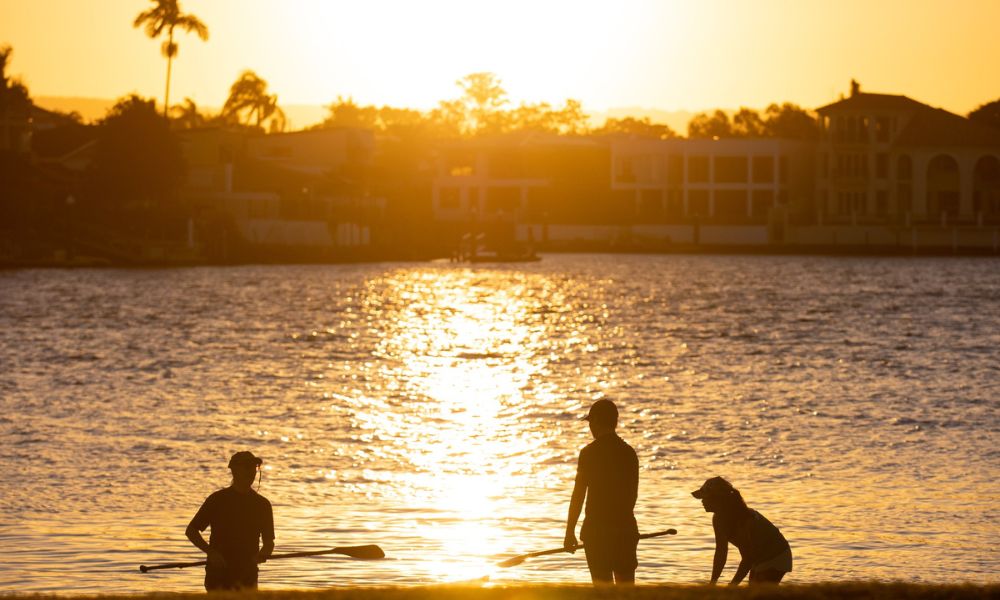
(483, 97)
(15, 104)
(570, 119)
(138, 166)
(165, 16)
(346, 113)
(447, 119)
(187, 116)
(704, 125)
(785, 121)
(988, 114)
(400, 119)
(13, 94)
(15, 168)
(747, 123)
(643, 127)
(534, 117)
(248, 98)
(790, 121)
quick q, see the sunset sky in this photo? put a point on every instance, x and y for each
(664, 54)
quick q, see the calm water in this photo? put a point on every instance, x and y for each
(431, 409)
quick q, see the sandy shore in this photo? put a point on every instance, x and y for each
(854, 591)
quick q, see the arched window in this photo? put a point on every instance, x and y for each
(943, 187)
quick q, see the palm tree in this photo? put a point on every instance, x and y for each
(187, 115)
(166, 15)
(15, 106)
(248, 96)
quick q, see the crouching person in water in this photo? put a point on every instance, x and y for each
(239, 518)
(764, 552)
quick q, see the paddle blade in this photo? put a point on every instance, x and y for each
(370, 551)
(511, 562)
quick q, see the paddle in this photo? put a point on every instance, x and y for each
(366, 552)
(513, 562)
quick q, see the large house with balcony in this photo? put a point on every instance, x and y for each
(890, 160)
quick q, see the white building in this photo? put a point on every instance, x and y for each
(725, 181)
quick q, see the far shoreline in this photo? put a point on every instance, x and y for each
(87, 262)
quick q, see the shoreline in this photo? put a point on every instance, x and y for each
(851, 590)
(818, 251)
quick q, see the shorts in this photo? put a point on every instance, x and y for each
(611, 554)
(231, 577)
(782, 562)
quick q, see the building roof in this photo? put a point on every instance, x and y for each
(928, 126)
(866, 101)
(937, 127)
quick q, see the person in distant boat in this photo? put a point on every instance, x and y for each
(240, 519)
(764, 552)
(607, 475)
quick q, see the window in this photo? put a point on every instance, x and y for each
(783, 169)
(882, 130)
(730, 169)
(675, 169)
(881, 203)
(763, 169)
(698, 169)
(698, 203)
(624, 171)
(858, 202)
(763, 200)
(882, 166)
(731, 204)
(843, 204)
(675, 203)
(824, 162)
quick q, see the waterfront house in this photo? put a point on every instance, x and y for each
(887, 159)
(734, 191)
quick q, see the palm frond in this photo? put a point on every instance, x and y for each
(191, 23)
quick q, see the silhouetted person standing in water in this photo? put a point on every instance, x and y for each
(240, 518)
(764, 552)
(607, 475)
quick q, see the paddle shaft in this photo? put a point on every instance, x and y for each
(200, 563)
(522, 557)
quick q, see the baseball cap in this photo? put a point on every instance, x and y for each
(602, 411)
(245, 458)
(715, 486)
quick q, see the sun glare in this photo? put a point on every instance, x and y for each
(465, 353)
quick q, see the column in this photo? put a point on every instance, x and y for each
(966, 168)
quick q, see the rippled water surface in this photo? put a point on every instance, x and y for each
(432, 409)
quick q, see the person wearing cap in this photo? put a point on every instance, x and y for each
(607, 476)
(240, 519)
(765, 553)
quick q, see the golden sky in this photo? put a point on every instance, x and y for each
(665, 54)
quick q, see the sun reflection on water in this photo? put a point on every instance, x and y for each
(465, 354)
